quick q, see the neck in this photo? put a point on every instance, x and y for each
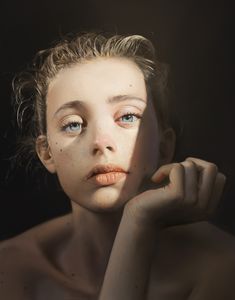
(97, 229)
(89, 247)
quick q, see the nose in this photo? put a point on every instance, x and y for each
(103, 143)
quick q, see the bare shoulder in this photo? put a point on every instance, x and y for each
(23, 258)
(215, 278)
(200, 245)
(190, 258)
(35, 241)
(40, 235)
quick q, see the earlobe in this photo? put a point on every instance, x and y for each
(44, 153)
(167, 146)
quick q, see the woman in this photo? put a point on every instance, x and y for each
(93, 109)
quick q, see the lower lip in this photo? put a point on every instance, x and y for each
(108, 178)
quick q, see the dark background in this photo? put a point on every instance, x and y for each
(194, 37)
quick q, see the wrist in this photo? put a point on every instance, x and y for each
(138, 223)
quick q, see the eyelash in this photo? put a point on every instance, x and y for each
(138, 116)
(65, 126)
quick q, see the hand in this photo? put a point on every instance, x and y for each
(191, 194)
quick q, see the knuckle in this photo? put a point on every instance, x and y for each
(222, 177)
(189, 158)
(212, 167)
(190, 164)
(178, 166)
(184, 163)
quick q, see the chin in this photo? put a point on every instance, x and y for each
(108, 200)
(105, 199)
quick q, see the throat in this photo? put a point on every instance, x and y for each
(84, 257)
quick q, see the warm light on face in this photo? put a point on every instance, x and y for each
(98, 113)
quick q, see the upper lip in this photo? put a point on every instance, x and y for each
(105, 169)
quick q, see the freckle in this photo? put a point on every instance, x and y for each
(130, 85)
(72, 274)
(61, 150)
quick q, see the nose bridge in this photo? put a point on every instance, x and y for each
(102, 138)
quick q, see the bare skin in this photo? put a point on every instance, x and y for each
(185, 257)
(139, 238)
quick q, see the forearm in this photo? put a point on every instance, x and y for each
(128, 270)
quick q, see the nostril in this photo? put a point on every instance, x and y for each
(102, 149)
(104, 143)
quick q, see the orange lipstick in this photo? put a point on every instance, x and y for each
(106, 174)
(108, 178)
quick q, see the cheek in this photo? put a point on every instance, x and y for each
(62, 154)
(148, 146)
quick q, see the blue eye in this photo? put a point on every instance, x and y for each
(130, 117)
(72, 127)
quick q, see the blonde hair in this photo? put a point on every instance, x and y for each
(30, 87)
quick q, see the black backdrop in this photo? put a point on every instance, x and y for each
(194, 37)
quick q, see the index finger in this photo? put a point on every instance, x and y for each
(175, 173)
(163, 172)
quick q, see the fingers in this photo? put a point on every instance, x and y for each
(207, 176)
(191, 182)
(191, 194)
(162, 173)
(198, 181)
(175, 172)
(216, 193)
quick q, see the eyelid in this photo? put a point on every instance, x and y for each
(129, 110)
(71, 118)
(129, 107)
(66, 121)
(134, 114)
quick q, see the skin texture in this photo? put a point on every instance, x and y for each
(137, 239)
(106, 138)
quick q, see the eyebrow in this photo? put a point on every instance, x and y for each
(78, 104)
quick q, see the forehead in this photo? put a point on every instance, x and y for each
(97, 79)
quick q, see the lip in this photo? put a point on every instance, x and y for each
(105, 179)
(102, 169)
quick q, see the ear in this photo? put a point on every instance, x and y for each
(167, 146)
(44, 153)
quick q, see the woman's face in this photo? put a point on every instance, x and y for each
(98, 114)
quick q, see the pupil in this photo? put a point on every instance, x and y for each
(74, 125)
(128, 117)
